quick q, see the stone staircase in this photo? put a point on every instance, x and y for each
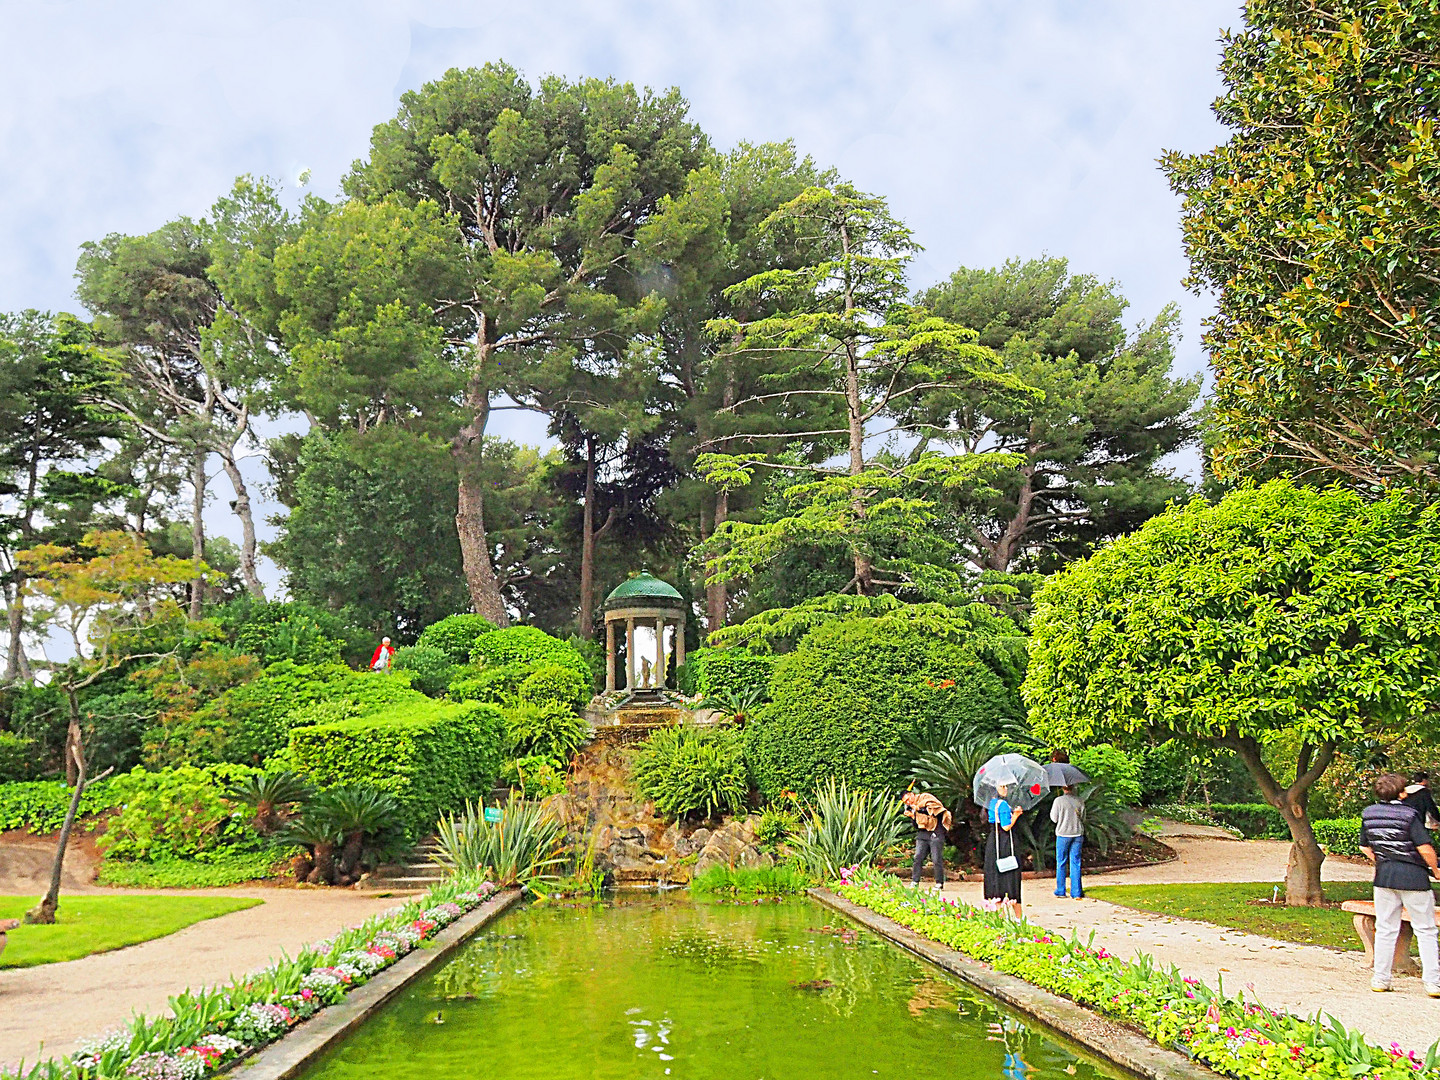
(416, 872)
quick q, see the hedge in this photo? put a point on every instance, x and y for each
(851, 692)
(455, 635)
(40, 805)
(178, 813)
(552, 684)
(739, 671)
(1258, 821)
(430, 755)
(430, 669)
(1338, 836)
(527, 645)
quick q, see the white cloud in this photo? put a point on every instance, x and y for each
(996, 127)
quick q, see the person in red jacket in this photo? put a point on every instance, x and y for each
(384, 653)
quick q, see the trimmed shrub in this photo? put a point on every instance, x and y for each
(491, 685)
(291, 630)
(551, 684)
(713, 671)
(1338, 836)
(432, 756)
(430, 669)
(853, 691)
(18, 757)
(526, 645)
(692, 770)
(177, 813)
(40, 805)
(1119, 770)
(455, 635)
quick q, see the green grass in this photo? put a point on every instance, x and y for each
(1230, 905)
(783, 880)
(186, 874)
(92, 924)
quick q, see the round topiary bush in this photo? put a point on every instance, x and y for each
(430, 668)
(555, 684)
(844, 701)
(526, 645)
(733, 670)
(455, 635)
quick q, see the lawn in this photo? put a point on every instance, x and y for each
(91, 924)
(1231, 905)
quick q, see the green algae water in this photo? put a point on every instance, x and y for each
(649, 987)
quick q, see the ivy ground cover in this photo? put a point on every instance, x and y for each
(92, 924)
(208, 1030)
(1235, 1037)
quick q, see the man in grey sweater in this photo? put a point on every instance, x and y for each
(1068, 814)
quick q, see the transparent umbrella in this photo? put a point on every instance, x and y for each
(1012, 777)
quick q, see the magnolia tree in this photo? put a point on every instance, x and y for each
(117, 602)
(1281, 624)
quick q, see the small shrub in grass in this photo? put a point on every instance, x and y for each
(782, 880)
(688, 771)
(1338, 836)
(1234, 1037)
(455, 635)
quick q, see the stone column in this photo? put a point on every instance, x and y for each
(609, 657)
(680, 642)
(629, 654)
(660, 652)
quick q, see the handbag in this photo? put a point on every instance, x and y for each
(1009, 862)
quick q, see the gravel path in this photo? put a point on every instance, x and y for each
(1302, 978)
(45, 1011)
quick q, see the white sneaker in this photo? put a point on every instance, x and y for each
(1432, 989)
(1379, 987)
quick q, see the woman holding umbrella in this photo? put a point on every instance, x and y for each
(1006, 786)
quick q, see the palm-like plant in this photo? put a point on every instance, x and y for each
(736, 704)
(523, 845)
(321, 840)
(847, 828)
(269, 796)
(357, 814)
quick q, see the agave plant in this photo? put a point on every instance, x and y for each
(270, 795)
(847, 828)
(522, 846)
(357, 814)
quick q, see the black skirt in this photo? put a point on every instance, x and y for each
(1000, 886)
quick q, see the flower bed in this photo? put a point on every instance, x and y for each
(209, 1030)
(1227, 1033)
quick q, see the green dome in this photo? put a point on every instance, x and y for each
(644, 590)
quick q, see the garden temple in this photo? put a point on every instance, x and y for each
(644, 601)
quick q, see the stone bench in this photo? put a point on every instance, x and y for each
(1363, 913)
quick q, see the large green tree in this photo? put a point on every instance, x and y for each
(1317, 227)
(1089, 451)
(1282, 620)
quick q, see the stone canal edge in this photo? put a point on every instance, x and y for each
(1074, 1024)
(288, 1056)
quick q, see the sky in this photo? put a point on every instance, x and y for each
(996, 128)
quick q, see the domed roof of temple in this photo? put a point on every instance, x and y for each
(644, 590)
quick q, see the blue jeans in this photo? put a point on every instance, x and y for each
(1067, 851)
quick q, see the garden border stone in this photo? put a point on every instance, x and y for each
(1116, 1043)
(298, 1048)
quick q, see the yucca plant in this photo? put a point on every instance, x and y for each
(270, 796)
(522, 846)
(847, 828)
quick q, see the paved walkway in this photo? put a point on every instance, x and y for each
(56, 1006)
(1301, 978)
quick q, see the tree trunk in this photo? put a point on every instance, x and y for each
(324, 871)
(44, 912)
(587, 547)
(17, 630)
(475, 552)
(1009, 543)
(1302, 877)
(717, 595)
(197, 530)
(248, 570)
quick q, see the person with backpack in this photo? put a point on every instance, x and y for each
(932, 822)
(1395, 839)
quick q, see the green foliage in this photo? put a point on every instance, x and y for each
(430, 755)
(40, 805)
(783, 880)
(291, 630)
(552, 731)
(270, 796)
(223, 870)
(1314, 225)
(534, 776)
(1117, 769)
(250, 722)
(1338, 836)
(1255, 821)
(776, 826)
(552, 684)
(688, 771)
(491, 685)
(179, 813)
(852, 692)
(526, 645)
(18, 757)
(709, 672)
(430, 669)
(455, 635)
(847, 827)
(523, 845)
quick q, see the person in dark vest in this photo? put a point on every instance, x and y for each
(1394, 838)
